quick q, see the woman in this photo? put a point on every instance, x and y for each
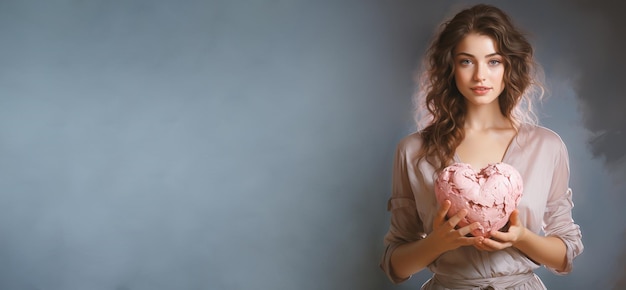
(479, 72)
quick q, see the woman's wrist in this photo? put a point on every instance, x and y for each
(522, 237)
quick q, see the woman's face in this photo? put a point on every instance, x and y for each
(478, 69)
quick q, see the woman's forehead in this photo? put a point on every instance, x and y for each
(476, 45)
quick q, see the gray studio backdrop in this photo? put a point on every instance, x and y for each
(248, 144)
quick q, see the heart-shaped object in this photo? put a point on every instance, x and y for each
(490, 195)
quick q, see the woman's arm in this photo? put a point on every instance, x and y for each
(410, 258)
(562, 241)
(549, 251)
(407, 247)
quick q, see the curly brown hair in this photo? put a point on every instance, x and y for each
(442, 103)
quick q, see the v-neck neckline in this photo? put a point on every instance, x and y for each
(513, 142)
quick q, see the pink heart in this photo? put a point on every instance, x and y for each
(490, 196)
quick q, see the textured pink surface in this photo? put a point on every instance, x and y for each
(489, 195)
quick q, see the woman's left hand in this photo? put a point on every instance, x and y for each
(502, 240)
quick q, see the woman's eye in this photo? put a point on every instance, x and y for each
(495, 62)
(465, 62)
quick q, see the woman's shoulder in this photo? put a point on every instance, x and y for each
(409, 148)
(541, 132)
(540, 135)
(410, 143)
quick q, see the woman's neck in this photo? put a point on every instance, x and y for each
(485, 117)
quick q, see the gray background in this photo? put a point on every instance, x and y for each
(248, 144)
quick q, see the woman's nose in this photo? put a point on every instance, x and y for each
(479, 73)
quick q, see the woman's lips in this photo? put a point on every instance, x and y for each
(481, 90)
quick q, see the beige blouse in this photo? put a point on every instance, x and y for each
(541, 158)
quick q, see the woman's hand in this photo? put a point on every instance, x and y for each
(503, 240)
(444, 232)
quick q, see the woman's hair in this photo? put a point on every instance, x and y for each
(439, 101)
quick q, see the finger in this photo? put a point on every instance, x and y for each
(514, 218)
(454, 220)
(489, 244)
(481, 246)
(470, 228)
(477, 227)
(496, 245)
(498, 235)
(443, 211)
(502, 236)
(468, 241)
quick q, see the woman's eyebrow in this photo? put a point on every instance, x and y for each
(471, 55)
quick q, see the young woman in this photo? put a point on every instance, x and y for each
(479, 73)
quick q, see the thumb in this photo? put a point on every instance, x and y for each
(515, 217)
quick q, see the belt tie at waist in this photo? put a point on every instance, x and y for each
(495, 283)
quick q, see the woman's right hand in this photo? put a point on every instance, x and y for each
(445, 232)
(410, 258)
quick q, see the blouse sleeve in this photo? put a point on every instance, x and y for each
(405, 225)
(557, 219)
